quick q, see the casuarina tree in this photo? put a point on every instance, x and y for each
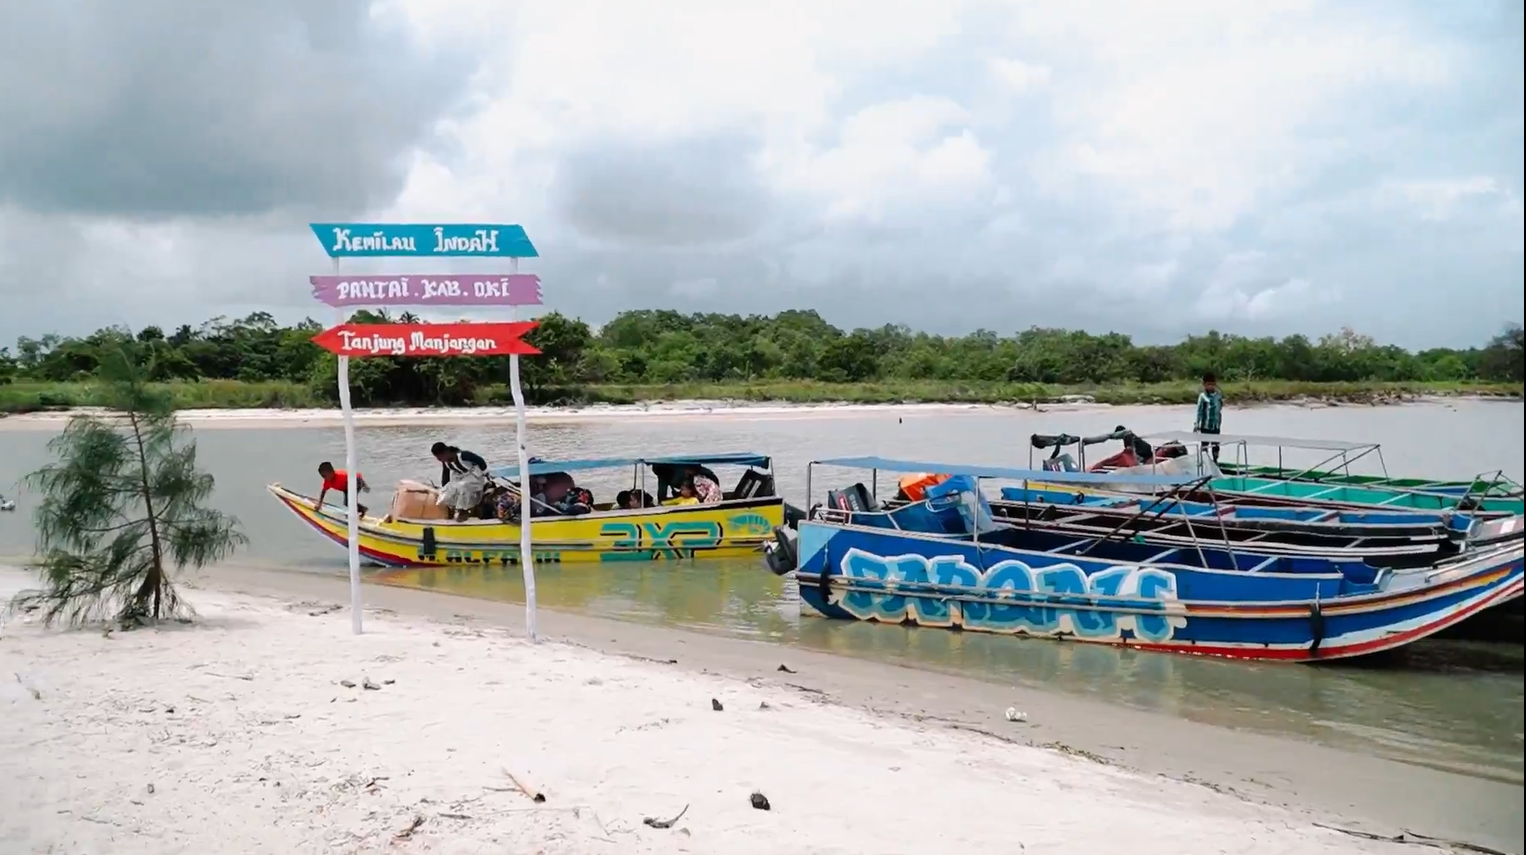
(122, 507)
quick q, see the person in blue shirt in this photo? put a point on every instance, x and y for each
(1210, 412)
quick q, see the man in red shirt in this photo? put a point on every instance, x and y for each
(338, 480)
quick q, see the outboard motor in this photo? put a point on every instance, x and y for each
(793, 516)
(1059, 463)
(779, 554)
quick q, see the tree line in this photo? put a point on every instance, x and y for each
(660, 347)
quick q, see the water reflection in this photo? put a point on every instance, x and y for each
(1446, 704)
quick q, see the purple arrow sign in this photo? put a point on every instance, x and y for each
(444, 289)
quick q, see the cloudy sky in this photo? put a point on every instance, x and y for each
(1256, 166)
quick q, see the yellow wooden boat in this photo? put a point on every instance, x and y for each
(737, 526)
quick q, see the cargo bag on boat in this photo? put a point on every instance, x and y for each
(415, 501)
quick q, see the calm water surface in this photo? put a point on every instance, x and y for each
(1446, 704)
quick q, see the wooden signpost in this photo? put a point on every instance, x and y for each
(347, 340)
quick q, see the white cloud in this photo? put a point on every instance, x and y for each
(915, 152)
(1018, 76)
(1246, 287)
(1163, 165)
(1205, 109)
(1438, 200)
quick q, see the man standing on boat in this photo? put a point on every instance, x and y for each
(463, 476)
(1210, 412)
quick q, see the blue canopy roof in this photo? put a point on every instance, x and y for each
(546, 467)
(1094, 478)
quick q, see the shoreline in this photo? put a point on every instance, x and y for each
(405, 416)
(1234, 770)
(273, 417)
(23, 396)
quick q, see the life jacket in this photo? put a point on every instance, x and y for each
(914, 486)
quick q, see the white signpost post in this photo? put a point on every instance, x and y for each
(412, 240)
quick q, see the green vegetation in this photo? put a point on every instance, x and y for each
(122, 507)
(793, 356)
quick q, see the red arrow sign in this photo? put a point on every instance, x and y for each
(427, 339)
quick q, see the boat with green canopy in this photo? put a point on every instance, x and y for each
(1338, 470)
(1486, 494)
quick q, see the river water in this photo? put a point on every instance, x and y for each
(1446, 704)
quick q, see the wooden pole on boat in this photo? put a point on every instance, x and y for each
(526, 549)
(352, 488)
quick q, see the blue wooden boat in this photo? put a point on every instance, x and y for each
(943, 562)
(1168, 521)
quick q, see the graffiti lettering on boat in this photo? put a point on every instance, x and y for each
(657, 540)
(1011, 597)
(750, 524)
(493, 556)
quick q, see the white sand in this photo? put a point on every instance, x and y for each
(235, 736)
(721, 409)
(276, 418)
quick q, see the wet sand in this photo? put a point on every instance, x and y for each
(1324, 784)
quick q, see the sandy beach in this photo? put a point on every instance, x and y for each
(422, 416)
(54, 420)
(238, 734)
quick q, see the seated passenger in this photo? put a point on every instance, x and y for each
(704, 487)
(578, 500)
(670, 477)
(555, 486)
(688, 494)
(506, 506)
(631, 500)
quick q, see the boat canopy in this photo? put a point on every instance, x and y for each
(1080, 478)
(1188, 437)
(1042, 440)
(547, 467)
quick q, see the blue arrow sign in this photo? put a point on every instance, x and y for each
(398, 240)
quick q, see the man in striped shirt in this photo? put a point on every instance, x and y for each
(1210, 412)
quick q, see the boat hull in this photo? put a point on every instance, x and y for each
(903, 577)
(736, 528)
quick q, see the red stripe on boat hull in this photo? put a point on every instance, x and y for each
(1296, 654)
